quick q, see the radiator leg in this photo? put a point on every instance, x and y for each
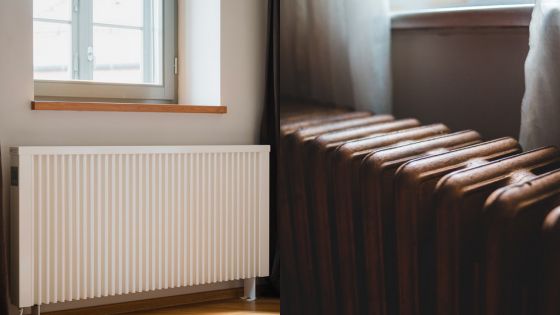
(250, 289)
(36, 310)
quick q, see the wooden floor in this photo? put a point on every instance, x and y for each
(262, 306)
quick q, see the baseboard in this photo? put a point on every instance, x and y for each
(157, 303)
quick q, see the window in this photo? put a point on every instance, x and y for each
(397, 5)
(104, 48)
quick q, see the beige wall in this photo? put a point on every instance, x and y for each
(466, 78)
(243, 48)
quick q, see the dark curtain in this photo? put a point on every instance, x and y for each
(270, 130)
(4, 294)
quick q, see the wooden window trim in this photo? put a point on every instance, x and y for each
(126, 107)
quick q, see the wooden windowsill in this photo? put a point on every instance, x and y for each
(469, 17)
(126, 107)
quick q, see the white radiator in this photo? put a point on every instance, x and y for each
(99, 221)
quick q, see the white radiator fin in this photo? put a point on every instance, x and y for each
(108, 224)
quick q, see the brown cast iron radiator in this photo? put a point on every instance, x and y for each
(384, 216)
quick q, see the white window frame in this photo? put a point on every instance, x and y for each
(90, 90)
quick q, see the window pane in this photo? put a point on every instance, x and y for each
(52, 51)
(119, 12)
(118, 55)
(53, 9)
(432, 4)
(123, 43)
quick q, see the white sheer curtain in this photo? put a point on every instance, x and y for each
(337, 52)
(540, 122)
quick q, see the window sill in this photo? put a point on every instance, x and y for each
(126, 107)
(472, 17)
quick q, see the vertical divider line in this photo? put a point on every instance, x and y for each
(264, 213)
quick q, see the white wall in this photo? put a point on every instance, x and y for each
(243, 48)
(465, 78)
(199, 51)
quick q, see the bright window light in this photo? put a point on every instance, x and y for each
(114, 41)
